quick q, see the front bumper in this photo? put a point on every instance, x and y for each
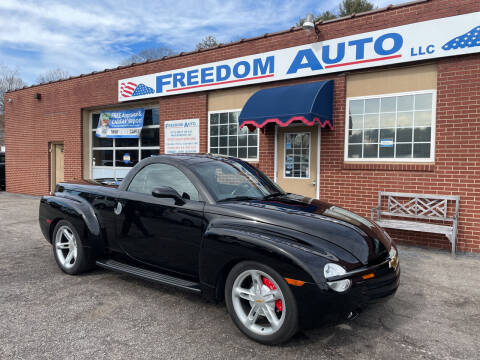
(318, 304)
(384, 284)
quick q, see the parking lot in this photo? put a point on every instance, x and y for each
(46, 314)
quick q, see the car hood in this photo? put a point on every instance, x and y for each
(359, 236)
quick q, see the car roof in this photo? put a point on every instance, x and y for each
(192, 159)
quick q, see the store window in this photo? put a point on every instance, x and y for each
(226, 137)
(113, 158)
(396, 127)
(297, 155)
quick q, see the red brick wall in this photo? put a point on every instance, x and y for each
(190, 106)
(457, 159)
(2, 131)
(267, 150)
(31, 124)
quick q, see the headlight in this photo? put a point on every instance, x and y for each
(330, 270)
(393, 258)
(393, 252)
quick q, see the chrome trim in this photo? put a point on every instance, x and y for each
(359, 271)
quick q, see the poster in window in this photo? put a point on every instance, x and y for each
(120, 124)
(182, 136)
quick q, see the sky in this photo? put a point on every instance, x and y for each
(90, 35)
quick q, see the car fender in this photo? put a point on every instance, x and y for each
(228, 241)
(71, 208)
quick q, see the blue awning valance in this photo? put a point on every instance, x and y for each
(309, 103)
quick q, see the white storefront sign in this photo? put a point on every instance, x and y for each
(431, 39)
(182, 136)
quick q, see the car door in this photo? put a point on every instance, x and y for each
(160, 231)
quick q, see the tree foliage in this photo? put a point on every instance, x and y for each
(207, 42)
(9, 81)
(345, 8)
(349, 7)
(152, 53)
(52, 75)
(324, 16)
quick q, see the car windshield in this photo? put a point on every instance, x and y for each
(232, 179)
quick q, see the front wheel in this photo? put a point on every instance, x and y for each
(261, 303)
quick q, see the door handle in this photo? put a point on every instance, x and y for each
(118, 209)
(314, 182)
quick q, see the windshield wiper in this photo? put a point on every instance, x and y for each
(274, 194)
(239, 198)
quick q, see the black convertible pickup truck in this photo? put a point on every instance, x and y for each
(218, 226)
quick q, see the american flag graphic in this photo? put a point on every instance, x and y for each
(128, 89)
(469, 39)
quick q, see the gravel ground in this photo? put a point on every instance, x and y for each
(46, 314)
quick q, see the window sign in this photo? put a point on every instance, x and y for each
(182, 136)
(386, 143)
(120, 124)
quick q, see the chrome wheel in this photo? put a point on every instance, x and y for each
(66, 247)
(258, 302)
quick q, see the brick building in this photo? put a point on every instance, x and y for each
(2, 132)
(405, 112)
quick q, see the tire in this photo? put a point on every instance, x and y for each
(70, 255)
(242, 293)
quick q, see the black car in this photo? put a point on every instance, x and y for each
(2, 170)
(218, 226)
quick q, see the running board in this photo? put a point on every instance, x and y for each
(149, 275)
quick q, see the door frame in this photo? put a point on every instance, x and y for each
(53, 163)
(319, 144)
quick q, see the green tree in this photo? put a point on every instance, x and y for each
(349, 7)
(207, 42)
(345, 8)
(326, 15)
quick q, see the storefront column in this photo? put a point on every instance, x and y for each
(267, 150)
(190, 106)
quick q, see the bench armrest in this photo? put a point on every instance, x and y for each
(372, 212)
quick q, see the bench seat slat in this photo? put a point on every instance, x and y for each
(415, 226)
(420, 196)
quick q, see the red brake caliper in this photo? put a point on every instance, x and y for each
(269, 284)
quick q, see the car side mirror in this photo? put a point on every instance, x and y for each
(168, 192)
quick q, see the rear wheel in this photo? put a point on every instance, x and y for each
(260, 303)
(68, 249)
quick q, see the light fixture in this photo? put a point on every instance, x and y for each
(38, 96)
(309, 24)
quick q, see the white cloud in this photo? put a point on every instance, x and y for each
(92, 35)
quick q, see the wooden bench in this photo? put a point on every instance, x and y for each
(399, 208)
